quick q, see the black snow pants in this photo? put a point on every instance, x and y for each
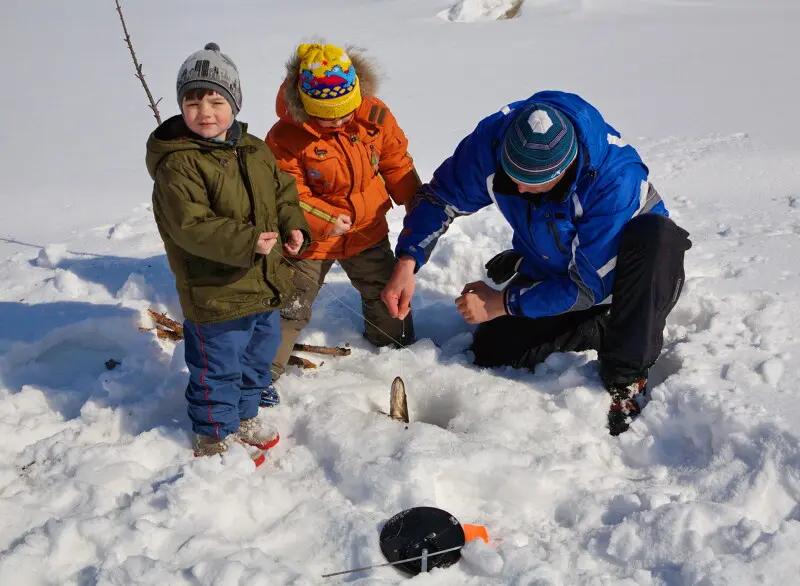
(629, 335)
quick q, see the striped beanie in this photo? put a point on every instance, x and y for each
(539, 145)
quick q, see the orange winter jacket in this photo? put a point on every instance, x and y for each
(352, 170)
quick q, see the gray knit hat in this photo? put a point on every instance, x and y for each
(211, 70)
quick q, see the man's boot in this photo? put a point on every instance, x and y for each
(627, 402)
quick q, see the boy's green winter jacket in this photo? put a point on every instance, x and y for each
(211, 201)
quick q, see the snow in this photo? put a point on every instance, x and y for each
(477, 10)
(97, 482)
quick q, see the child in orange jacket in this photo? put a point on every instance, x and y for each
(349, 157)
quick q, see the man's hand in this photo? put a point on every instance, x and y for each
(400, 288)
(266, 240)
(294, 243)
(503, 266)
(479, 303)
(343, 224)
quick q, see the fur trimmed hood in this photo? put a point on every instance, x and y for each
(289, 94)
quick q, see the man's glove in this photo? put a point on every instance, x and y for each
(503, 266)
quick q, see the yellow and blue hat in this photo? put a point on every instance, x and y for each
(328, 84)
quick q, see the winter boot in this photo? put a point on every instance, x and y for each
(205, 445)
(258, 433)
(626, 404)
(270, 397)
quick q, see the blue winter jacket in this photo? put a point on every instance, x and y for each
(569, 247)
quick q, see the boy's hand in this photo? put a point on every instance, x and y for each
(342, 225)
(294, 243)
(479, 303)
(400, 288)
(266, 240)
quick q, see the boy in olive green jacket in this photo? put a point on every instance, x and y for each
(224, 211)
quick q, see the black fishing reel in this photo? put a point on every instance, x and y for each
(426, 537)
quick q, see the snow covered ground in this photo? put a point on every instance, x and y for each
(97, 482)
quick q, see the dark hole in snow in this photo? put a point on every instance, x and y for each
(111, 364)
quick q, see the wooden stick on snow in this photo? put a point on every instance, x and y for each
(301, 362)
(327, 350)
(169, 329)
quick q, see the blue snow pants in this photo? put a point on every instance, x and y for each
(229, 366)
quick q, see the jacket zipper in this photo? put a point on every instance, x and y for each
(240, 158)
(349, 164)
(530, 206)
(551, 225)
(374, 160)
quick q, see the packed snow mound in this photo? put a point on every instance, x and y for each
(477, 10)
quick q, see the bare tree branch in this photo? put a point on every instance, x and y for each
(138, 66)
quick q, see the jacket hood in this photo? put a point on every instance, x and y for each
(173, 135)
(585, 118)
(288, 105)
(591, 129)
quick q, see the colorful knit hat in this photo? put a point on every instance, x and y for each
(329, 86)
(211, 69)
(539, 145)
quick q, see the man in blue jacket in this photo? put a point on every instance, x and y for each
(588, 228)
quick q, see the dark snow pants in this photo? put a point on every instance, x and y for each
(229, 366)
(628, 336)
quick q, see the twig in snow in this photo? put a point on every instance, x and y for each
(327, 350)
(301, 362)
(162, 320)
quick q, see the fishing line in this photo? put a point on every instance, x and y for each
(319, 290)
(400, 345)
